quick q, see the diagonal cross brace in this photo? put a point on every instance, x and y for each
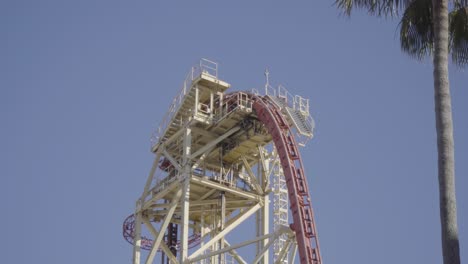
(214, 142)
(252, 177)
(172, 160)
(226, 230)
(167, 219)
(163, 246)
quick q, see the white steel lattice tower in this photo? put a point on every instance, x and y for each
(216, 153)
(280, 207)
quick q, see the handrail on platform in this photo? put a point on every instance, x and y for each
(205, 66)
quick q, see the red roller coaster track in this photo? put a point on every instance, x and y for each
(300, 203)
(298, 191)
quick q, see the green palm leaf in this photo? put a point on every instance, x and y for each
(458, 29)
(416, 29)
(374, 7)
(417, 32)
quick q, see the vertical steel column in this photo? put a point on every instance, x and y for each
(266, 208)
(214, 228)
(266, 226)
(262, 215)
(165, 238)
(222, 257)
(202, 233)
(280, 201)
(211, 105)
(221, 114)
(293, 252)
(185, 200)
(258, 231)
(196, 99)
(137, 235)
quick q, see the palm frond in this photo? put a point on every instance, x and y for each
(416, 25)
(416, 29)
(374, 7)
(460, 3)
(458, 29)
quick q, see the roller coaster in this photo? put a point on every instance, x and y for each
(220, 157)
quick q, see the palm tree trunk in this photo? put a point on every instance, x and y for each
(444, 127)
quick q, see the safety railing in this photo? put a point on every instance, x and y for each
(232, 103)
(302, 104)
(283, 98)
(295, 102)
(288, 98)
(205, 67)
(270, 90)
(209, 67)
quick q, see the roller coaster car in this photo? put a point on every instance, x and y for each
(165, 165)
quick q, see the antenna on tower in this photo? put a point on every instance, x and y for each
(267, 77)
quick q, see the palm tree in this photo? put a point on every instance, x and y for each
(427, 28)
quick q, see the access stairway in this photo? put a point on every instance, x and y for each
(297, 118)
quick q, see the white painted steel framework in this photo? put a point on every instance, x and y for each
(214, 161)
(280, 205)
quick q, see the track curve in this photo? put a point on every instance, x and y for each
(298, 191)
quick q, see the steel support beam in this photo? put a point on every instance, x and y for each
(160, 194)
(223, 220)
(163, 246)
(265, 212)
(185, 200)
(262, 252)
(293, 252)
(206, 134)
(229, 248)
(201, 158)
(265, 226)
(202, 202)
(214, 142)
(172, 138)
(164, 225)
(266, 171)
(137, 237)
(253, 178)
(221, 187)
(211, 105)
(276, 235)
(172, 160)
(271, 237)
(197, 96)
(150, 178)
(234, 253)
(210, 231)
(228, 229)
(284, 251)
(206, 195)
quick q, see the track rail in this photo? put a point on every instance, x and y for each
(300, 205)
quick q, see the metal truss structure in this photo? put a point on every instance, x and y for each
(217, 153)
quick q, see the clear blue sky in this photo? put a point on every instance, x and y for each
(84, 83)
